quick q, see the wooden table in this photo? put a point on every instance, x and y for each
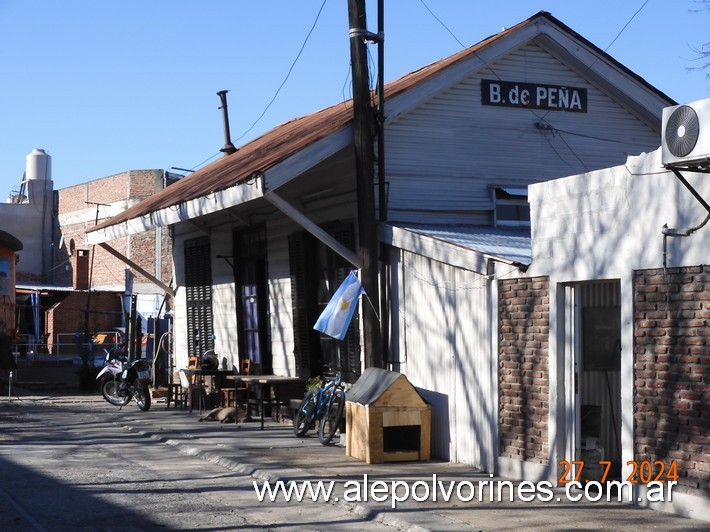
(265, 382)
(200, 375)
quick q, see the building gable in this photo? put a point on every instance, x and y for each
(445, 155)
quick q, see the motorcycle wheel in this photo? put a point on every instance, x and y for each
(142, 397)
(109, 389)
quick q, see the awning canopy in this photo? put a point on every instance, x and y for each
(463, 246)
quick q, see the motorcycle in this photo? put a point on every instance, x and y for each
(122, 381)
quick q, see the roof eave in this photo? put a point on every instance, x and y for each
(181, 212)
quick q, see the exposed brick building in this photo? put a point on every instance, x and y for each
(80, 206)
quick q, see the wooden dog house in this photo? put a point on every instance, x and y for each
(387, 420)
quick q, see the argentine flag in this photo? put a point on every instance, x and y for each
(336, 317)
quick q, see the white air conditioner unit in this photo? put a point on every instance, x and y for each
(685, 135)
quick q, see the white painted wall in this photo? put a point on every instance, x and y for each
(603, 224)
(223, 297)
(443, 343)
(280, 312)
(443, 155)
(180, 347)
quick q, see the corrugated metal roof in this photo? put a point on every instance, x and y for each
(31, 287)
(512, 245)
(289, 138)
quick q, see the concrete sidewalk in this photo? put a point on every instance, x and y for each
(276, 454)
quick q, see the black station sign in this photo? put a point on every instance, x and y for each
(533, 96)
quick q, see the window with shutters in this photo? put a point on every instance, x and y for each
(316, 273)
(198, 292)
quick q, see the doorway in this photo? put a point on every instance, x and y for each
(595, 365)
(250, 276)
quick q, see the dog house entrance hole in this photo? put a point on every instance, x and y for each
(404, 438)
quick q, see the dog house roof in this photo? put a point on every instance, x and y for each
(384, 388)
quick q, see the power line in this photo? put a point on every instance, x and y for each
(625, 25)
(273, 99)
(313, 26)
(617, 36)
(443, 25)
(315, 22)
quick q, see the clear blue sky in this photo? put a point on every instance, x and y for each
(107, 86)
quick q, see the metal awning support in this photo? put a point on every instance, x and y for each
(135, 266)
(694, 192)
(302, 220)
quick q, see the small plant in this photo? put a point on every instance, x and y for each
(313, 382)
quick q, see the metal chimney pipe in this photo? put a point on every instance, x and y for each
(228, 147)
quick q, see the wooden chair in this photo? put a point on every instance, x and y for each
(175, 391)
(228, 397)
(192, 364)
(191, 388)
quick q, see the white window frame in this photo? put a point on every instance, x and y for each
(519, 198)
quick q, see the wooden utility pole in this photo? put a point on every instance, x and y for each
(363, 125)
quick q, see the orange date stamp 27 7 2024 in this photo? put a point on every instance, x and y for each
(644, 472)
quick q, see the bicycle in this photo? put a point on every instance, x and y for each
(321, 403)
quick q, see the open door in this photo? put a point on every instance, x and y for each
(593, 364)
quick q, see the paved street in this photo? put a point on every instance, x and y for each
(77, 463)
(75, 466)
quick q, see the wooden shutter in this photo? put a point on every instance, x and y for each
(299, 250)
(198, 290)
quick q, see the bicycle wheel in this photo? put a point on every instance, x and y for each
(304, 415)
(331, 419)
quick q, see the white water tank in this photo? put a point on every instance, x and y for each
(38, 165)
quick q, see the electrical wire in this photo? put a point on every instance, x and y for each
(537, 115)
(631, 172)
(482, 281)
(574, 153)
(585, 136)
(554, 149)
(372, 78)
(288, 74)
(273, 99)
(625, 26)
(442, 24)
(347, 85)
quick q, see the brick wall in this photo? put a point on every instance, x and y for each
(107, 270)
(524, 369)
(68, 316)
(672, 372)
